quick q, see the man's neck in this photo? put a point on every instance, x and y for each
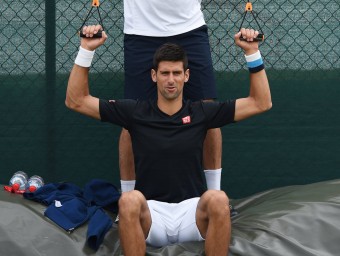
(170, 107)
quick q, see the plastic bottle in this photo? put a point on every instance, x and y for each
(18, 181)
(34, 183)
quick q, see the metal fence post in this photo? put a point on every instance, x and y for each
(50, 66)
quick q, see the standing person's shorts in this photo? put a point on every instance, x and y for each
(173, 223)
(138, 57)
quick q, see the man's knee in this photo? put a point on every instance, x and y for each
(130, 202)
(216, 201)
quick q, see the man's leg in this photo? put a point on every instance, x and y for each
(212, 157)
(134, 223)
(126, 162)
(202, 86)
(138, 85)
(213, 222)
(212, 150)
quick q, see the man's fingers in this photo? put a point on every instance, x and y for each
(89, 31)
(104, 35)
(237, 35)
(248, 34)
(97, 28)
(90, 40)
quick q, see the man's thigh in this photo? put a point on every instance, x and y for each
(202, 82)
(138, 58)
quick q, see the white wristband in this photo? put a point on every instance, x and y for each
(254, 62)
(127, 185)
(84, 57)
(213, 178)
(253, 57)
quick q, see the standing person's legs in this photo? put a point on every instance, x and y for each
(213, 222)
(202, 86)
(126, 161)
(138, 55)
(212, 150)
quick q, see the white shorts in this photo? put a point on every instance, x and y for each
(173, 223)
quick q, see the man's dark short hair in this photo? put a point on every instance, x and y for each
(170, 52)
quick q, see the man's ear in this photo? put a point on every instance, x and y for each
(187, 75)
(153, 75)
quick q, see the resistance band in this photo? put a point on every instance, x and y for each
(249, 9)
(95, 4)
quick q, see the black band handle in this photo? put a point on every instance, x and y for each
(259, 38)
(98, 35)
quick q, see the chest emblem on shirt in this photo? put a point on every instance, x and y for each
(186, 120)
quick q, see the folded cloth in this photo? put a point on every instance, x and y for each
(48, 193)
(99, 225)
(69, 206)
(102, 194)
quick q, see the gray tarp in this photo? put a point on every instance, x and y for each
(294, 220)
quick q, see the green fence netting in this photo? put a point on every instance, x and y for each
(39, 42)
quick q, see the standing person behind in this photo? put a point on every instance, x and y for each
(170, 203)
(147, 25)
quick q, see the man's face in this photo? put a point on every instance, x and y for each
(170, 78)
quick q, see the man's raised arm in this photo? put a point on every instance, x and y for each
(78, 96)
(259, 99)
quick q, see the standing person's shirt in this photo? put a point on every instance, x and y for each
(168, 149)
(162, 18)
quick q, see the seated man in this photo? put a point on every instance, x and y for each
(147, 25)
(170, 202)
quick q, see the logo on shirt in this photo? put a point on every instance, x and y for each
(186, 120)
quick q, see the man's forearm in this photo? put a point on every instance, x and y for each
(77, 87)
(259, 90)
(259, 98)
(259, 85)
(78, 97)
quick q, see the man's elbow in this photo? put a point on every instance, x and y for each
(265, 106)
(71, 104)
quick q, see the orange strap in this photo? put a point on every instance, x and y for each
(249, 7)
(95, 3)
